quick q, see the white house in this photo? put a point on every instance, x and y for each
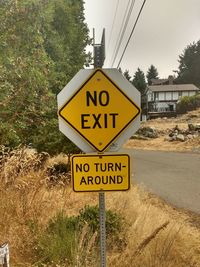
(163, 98)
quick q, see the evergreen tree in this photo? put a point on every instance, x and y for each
(120, 70)
(152, 73)
(189, 65)
(127, 75)
(139, 81)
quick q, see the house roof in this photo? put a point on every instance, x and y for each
(173, 88)
(158, 81)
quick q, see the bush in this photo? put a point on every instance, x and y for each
(188, 103)
(59, 174)
(90, 215)
(63, 237)
(57, 242)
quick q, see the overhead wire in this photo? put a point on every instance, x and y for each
(113, 23)
(124, 25)
(134, 26)
(122, 30)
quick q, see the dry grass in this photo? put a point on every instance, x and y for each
(157, 235)
(163, 125)
(162, 145)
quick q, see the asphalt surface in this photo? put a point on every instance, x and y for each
(175, 177)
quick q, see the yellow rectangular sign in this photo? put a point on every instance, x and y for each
(94, 173)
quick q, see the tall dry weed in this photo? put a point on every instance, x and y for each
(156, 234)
(86, 251)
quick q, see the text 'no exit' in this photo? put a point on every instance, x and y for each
(99, 111)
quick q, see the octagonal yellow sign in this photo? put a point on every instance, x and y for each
(99, 110)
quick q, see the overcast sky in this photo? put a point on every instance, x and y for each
(164, 29)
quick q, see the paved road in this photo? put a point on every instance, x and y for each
(175, 177)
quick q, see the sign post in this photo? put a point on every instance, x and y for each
(102, 222)
(98, 62)
(99, 110)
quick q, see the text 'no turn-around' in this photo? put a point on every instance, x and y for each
(107, 172)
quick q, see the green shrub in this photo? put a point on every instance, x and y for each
(188, 103)
(90, 215)
(57, 243)
(65, 238)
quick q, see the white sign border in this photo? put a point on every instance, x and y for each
(70, 89)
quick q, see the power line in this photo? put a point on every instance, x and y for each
(124, 24)
(127, 15)
(113, 23)
(131, 32)
(120, 32)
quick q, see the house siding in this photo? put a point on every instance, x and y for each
(191, 93)
(163, 98)
(175, 96)
(168, 96)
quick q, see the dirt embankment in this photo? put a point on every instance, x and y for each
(165, 131)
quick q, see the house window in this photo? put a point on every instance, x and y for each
(156, 94)
(179, 94)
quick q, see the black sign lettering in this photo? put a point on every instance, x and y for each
(114, 119)
(82, 167)
(96, 118)
(90, 180)
(104, 179)
(101, 121)
(119, 179)
(102, 99)
(84, 120)
(83, 181)
(90, 97)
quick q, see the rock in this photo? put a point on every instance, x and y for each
(176, 128)
(197, 127)
(191, 127)
(139, 137)
(151, 134)
(174, 138)
(180, 137)
(196, 134)
(190, 136)
(147, 132)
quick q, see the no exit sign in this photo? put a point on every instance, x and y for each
(99, 111)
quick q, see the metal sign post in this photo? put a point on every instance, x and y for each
(102, 221)
(98, 62)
